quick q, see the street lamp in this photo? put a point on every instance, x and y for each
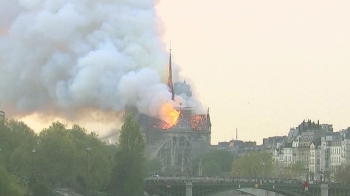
(33, 151)
(255, 174)
(2, 116)
(264, 170)
(239, 174)
(87, 169)
(186, 173)
(3, 182)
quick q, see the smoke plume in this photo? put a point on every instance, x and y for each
(67, 58)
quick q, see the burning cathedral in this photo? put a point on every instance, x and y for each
(177, 141)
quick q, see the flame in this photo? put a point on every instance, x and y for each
(199, 122)
(170, 115)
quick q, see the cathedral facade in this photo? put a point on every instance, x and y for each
(188, 138)
(177, 145)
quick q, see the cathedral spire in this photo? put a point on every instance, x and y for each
(170, 78)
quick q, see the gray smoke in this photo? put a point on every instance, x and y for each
(63, 57)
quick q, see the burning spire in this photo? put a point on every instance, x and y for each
(208, 120)
(170, 78)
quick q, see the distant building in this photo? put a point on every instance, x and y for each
(293, 133)
(249, 144)
(271, 142)
(314, 163)
(246, 150)
(345, 151)
(244, 147)
(223, 144)
(287, 153)
(272, 145)
(237, 147)
(330, 155)
(234, 143)
(302, 146)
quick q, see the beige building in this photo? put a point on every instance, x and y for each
(345, 149)
(330, 155)
(314, 163)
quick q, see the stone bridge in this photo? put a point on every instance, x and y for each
(195, 187)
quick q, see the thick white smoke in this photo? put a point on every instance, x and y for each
(64, 57)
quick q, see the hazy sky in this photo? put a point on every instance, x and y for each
(260, 66)
(263, 66)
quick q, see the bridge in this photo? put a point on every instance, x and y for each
(214, 186)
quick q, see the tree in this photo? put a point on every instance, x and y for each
(40, 189)
(64, 160)
(222, 157)
(211, 168)
(296, 169)
(13, 135)
(342, 174)
(9, 185)
(60, 159)
(253, 164)
(129, 172)
(276, 169)
(154, 166)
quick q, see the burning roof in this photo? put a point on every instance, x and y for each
(196, 122)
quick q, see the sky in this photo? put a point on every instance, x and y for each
(263, 67)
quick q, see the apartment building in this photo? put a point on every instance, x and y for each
(304, 148)
(314, 163)
(287, 154)
(345, 150)
(330, 155)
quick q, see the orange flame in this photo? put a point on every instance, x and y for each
(199, 122)
(170, 115)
